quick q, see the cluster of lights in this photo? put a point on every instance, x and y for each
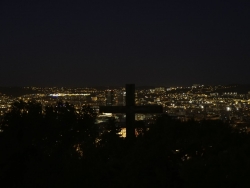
(68, 94)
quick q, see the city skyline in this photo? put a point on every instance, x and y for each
(114, 43)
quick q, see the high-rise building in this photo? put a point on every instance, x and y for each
(121, 98)
(109, 97)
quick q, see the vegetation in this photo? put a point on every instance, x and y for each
(60, 147)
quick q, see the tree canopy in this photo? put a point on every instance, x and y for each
(55, 146)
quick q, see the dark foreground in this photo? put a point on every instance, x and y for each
(57, 147)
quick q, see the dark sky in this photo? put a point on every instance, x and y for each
(84, 43)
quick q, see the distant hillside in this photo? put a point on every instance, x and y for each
(15, 91)
(240, 89)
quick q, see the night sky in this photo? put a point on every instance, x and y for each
(100, 43)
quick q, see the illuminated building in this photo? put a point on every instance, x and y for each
(109, 97)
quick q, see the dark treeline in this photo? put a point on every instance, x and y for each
(61, 147)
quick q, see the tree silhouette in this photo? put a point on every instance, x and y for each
(50, 139)
(60, 146)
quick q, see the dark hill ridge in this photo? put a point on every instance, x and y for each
(239, 88)
(16, 91)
